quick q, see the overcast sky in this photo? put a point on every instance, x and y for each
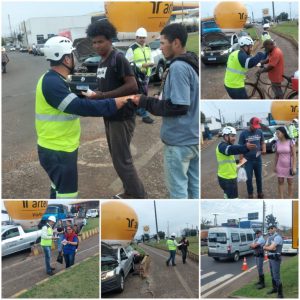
(233, 209)
(177, 212)
(207, 8)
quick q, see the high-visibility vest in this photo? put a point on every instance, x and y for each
(55, 129)
(265, 36)
(227, 168)
(142, 55)
(171, 245)
(48, 242)
(235, 74)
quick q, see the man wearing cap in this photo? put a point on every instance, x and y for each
(258, 245)
(275, 67)
(172, 247)
(274, 248)
(254, 135)
(46, 243)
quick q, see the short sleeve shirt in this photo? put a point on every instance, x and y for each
(277, 61)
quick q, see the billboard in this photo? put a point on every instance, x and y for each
(253, 216)
(265, 12)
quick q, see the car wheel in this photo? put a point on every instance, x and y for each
(217, 258)
(273, 147)
(121, 283)
(159, 71)
(236, 256)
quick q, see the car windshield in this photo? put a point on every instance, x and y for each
(211, 24)
(287, 242)
(51, 210)
(219, 237)
(154, 45)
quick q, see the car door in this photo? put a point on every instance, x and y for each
(11, 241)
(125, 261)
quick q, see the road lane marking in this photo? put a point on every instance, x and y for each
(208, 274)
(215, 282)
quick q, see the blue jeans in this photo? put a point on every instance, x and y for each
(69, 259)
(181, 166)
(47, 251)
(256, 166)
(239, 93)
(172, 257)
(142, 112)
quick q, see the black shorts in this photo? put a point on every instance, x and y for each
(61, 168)
(229, 186)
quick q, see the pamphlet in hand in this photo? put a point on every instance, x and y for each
(64, 242)
(258, 153)
(242, 162)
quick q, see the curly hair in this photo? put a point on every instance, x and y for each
(102, 27)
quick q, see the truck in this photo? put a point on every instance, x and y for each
(15, 239)
(59, 211)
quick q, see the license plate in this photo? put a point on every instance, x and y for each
(82, 87)
(212, 58)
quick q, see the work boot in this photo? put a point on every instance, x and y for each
(274, 289)
(147, 120)
(260, 195)
(259, 281)
(261, 285)
(280, 292)
(250, 196)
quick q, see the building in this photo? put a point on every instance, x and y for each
(212, 124)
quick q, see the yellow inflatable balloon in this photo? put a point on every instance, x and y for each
(230, 15)
(119, 222)
(284, 110)
(127, 17)
(27, 213)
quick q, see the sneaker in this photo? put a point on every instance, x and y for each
(260, 196)
(50, 273)
(52, 269)
(147, 120)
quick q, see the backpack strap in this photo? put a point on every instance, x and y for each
(190, 58)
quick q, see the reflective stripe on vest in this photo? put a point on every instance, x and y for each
(67, 196)
(47, 243)
(226, 165)
(56, 130)
(171, 245)
(142, 55)
(235, 73)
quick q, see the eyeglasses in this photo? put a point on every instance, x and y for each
(69, 229)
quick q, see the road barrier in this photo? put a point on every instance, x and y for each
(144, 266)
(36, 249)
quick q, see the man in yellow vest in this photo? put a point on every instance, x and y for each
(238, 64)
(227, 168)
(172, 247)
(265, 34)
(46, 243)
(140, 54)
(57, 112)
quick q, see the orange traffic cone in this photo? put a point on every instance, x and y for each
(266, 256)
(245, 266)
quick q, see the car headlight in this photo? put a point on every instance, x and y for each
(106, 275)
(202, 53)
(225, 52)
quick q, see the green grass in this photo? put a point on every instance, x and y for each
(253, 33)
(91, 224)
(139, 249)
(289, 278)
(204, 249)
(287, 28)
(82, 281)
(194, 244)
(193, 42)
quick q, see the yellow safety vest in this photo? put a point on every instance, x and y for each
(142, 55)
(171, 245)
(235, 73)
(227, 168)
(48, 242)
(55, 129)
(265, 37)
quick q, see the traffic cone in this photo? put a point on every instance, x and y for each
(245, 266)
(266, 256)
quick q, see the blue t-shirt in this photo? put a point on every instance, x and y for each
(254, 137)
(70, 249)
(182, 88)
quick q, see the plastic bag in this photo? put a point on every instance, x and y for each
(242, 175)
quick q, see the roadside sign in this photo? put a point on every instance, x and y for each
(295, 242)
(146, 229)
(253, 216)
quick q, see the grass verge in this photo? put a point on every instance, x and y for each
(193, 42)
(253, 33)
(82, 281)
(287, 28)
(91, 224)
(289, 278)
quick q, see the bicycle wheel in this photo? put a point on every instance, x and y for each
(253, 91)
(293, 95)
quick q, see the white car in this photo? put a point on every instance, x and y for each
(92, 213)
(287, 247)
(12, 49)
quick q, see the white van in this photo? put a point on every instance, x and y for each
(229, 242)
(92, 213)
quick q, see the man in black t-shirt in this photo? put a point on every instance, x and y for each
(115, 77)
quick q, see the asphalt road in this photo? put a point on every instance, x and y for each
(210, 188)
(22, 271)
(212, 76)
(22, 176)
(220, 278)
(181, 281)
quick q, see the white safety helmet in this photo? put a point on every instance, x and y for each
(52, 218)
(245, 41)
(56, 47)
(173, 235)
(141, 32)
(295, 120)
(266, 26)
(228, 130)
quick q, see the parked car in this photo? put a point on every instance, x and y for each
(160, 62)
(220, 132)
(15, 239)
(116, 263)
(229, 242)
(23, 49)
(40, 49)
(287, 247)
(270, 137)
(92, 213)
(216, 47)
(12, 48)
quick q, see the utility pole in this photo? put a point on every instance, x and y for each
(264, 215)
(157, 236)
(215, 220)
(11, 33)
(273, 11)
(290, 4)
(220, 116)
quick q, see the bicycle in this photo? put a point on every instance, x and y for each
(254, 91)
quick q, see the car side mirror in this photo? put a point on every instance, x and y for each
(124, 257)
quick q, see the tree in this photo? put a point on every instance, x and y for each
(161, 235)
(283, 16)
(205, 223)
(20, 37)
(270, 219)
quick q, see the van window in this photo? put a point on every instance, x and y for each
(243, 237)
(235, 237)
(219, 237)
(249, 237)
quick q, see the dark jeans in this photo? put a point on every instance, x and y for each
(47, 251)
(277, 90)
(230, 187)
(172, 257)
(119, 135)
(183, 254)
(61, 168)
(239, 93)
(256, 167)
(69, 259)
